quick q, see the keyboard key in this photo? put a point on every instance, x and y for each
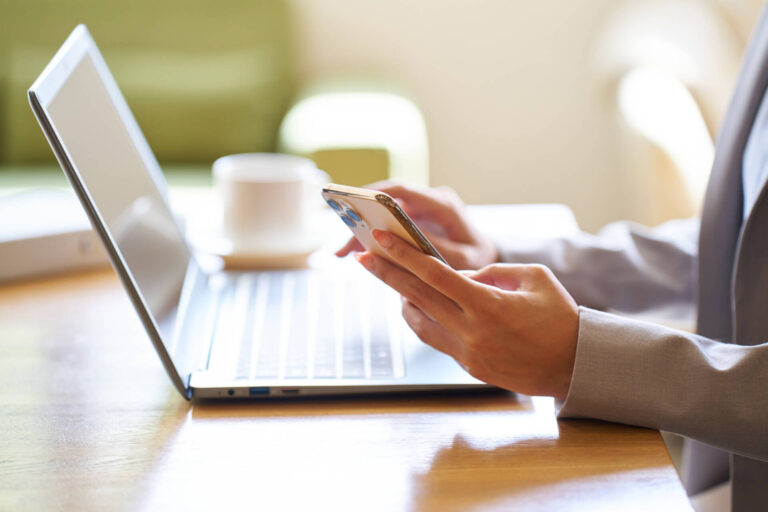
(295, 358)
(381, 359)
(296, 324)
(267, 360)
(325, 328)
(353, 350)
(244, 296)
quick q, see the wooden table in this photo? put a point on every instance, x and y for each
(89, 421)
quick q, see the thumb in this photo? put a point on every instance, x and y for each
(509, 276)
(453, 252)
(352, 245)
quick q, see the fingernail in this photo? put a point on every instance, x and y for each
(383, 238)
(365, 262)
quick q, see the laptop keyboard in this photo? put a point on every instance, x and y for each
(306, 325)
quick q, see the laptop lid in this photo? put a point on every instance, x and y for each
(108, 162)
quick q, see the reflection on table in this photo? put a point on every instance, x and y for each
(90, 421)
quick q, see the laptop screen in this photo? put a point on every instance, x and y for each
(117, 171)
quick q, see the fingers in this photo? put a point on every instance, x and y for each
(453, 252)
(436, 205)
(430, 301)
(352, 245)
(429, 331)
(513, 277)
(433, 272)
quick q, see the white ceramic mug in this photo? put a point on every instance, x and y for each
(267, 198)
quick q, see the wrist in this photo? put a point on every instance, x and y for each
(565, 375)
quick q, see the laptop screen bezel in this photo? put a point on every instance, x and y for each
(40, 94)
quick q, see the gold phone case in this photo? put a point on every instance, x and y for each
(364, 210)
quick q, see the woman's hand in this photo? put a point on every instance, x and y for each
(440, 214)
(513, 326)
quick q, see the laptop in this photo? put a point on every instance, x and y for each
(327, 330)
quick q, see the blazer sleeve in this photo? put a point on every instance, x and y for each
(639, 373)
(625, 267)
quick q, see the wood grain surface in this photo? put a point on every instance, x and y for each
(90, 421)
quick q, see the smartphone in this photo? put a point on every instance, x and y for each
(364, 210)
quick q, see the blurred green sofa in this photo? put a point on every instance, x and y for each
(203, 79)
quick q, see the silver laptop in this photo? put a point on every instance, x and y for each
(271, 334)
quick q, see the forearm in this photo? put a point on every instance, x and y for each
(649, 375)
(624, 267)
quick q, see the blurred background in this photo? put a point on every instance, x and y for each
(607, 106)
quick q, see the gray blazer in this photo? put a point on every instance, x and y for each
(707, 386)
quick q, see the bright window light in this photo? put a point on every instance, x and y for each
(361, 119)
(661, 108)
